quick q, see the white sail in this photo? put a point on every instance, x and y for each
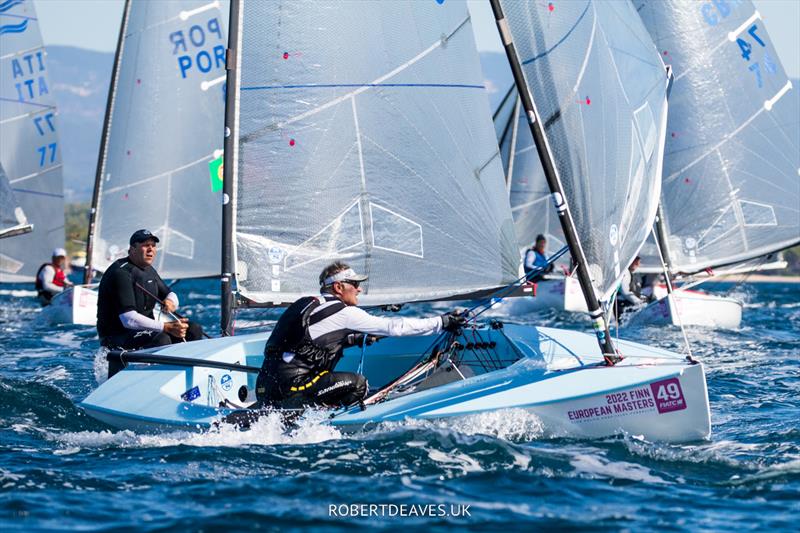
(29, 152)
(600, 89)
(731, 190)
(162, 166)
(365, 135)
(12, 218)
(528, 192)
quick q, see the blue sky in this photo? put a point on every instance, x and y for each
(94, 24)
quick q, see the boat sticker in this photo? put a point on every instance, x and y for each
(668, 395)
(191, 394)
(226, 382)
(627, 402)
(275, 255)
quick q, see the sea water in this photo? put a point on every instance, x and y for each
(60, 469)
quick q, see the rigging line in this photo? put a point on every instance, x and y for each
(502, 292)
(440, 42)
(670, 294)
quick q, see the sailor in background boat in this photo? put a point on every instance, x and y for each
(630, 287)
(536, 258)
(51, 278)
(127, 296)
(311, 335)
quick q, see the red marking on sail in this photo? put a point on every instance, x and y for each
(551, 7)
(286, 55)
(291, 142)
(588, 101)
(687, 180)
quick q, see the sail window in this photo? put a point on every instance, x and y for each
(343, 233)
(394, 232)
(757, 214)
(175, 242)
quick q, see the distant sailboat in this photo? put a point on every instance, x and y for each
(160, 158)
(161, 149)
(731, 190)
(12, 218)
(393, 160)
(30, 152)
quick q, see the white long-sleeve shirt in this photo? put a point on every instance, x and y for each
(356, 319)
(137, 321)
(46, 277)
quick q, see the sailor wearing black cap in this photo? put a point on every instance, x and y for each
(127, 296)
(311, 335)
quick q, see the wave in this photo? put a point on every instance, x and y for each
(14, 28)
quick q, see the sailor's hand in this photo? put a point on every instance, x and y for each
(169, 306)
(177, 328)
(454, 322)
(357, 339)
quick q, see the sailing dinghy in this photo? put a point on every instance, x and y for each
(160, 155)
(30, 152)
(368, 138)
(731, 192)
(12, 218)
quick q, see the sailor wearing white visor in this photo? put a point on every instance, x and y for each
(310, 338)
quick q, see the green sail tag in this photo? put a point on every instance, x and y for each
(215, 173)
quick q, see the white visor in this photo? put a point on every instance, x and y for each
(344, 275)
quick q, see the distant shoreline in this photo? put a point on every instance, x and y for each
(754, 278)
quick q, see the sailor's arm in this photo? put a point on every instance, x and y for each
(359, 320)
(47, 276)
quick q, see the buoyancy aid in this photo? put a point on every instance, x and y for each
(292, 356)
(59, 280)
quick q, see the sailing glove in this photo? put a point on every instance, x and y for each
(453, 322)
(357, 339)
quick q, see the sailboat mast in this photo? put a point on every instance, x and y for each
(229, 164)
(556, 188)
(103, 154)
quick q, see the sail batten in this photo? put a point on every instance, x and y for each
(366, 138)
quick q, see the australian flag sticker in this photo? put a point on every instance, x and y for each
(191, 394)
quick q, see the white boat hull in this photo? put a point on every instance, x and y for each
(690, 308)
(76, 305)
(551, 293)
(653, 393)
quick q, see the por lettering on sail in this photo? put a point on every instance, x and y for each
(199, 46)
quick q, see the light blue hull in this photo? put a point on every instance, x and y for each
(554, 374)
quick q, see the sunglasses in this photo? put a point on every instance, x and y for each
(355, 284)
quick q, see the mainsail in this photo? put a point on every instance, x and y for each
(12, 218)
(528, 192)
(600, 88)
(29, 151)
(161, 168)
(731, 190)
(364, 134)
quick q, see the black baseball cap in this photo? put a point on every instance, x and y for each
(141, 236)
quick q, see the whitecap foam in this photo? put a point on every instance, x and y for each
(595, 466)
(267, 430)
(505, 424)
(100, 365)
